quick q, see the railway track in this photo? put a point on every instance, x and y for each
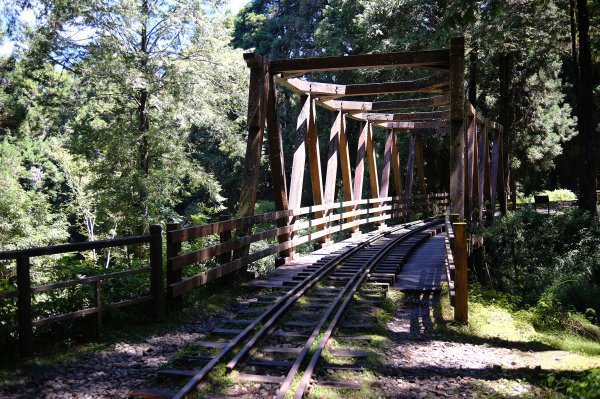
(281, 336)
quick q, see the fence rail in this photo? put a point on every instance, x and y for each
(24, 292)
(327, 219)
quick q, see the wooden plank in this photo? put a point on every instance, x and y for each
(457, 94)
(367, 106)
(434, 59)
(299, 157)
(432, 84)
(345, 162)
(396, 166)
(410, 162)
(410, 116)
(414, 125)
(387, 163)
(254, 142)
(88, 280)
(314, 158)
(75, 247)
(372, 160)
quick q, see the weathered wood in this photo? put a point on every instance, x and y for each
(435, 59)
(156, 274)
(457, 93)
(414, 125)
(314, 160)
(256, 121)
(396, 166)
(410, 116)
(372, 160)
(299, 157)
(24, 314)
(387, 164)
(173, 275)
(481, 162)
(332, 158)
(276, 160)
(487, 188)
(410, 166)
(433, 84)
(366, 106)
(461, 310)
(88, 280)
(359, 169)
(75, 247)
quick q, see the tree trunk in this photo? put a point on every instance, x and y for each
(506, 120)
(585, 111)
(144, 122)
(472, 94)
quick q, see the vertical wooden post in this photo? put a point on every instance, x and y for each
(461, 310)
(410, 167)
(387, 165)
(173, 276)
(332, 164)
(474, 153)
(495, 169)
(276, 158)
(373, 172)
(396, 167)
(256, 123)
(421, 171)
(314, 160)
(24, 307)
(502, 173)
(345, 168)
(299, 157)
(484, 171)
(457, 99)
(225, 236)
(156, 275)
(468, 168)
(359, 170)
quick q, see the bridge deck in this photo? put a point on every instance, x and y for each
(424, 270)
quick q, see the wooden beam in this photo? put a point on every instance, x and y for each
(468, 176)
(314, 158)
(410, 167)
(396, 166)
(435, 59)
(486, 180)
(387, 164)
(432, 84)
(411, 116)
(475, 192)
(299, 157)
(256, 108)
(366, 106)
(359, 169)
(332, 159)
(276, 156)
(457, 94)
(372, 159)
(415, 125)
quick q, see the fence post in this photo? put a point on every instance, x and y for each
(461, 311)
(156, 274)
(173, 276)
(24, 307)
(98, 303)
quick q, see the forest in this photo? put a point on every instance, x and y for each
(119, 115)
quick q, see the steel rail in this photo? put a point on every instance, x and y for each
(347, 292)
(275, 311)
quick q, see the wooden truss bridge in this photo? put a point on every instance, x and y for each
(381, 236)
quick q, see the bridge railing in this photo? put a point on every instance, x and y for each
(456, 266)
(238, 247)
(25, 293)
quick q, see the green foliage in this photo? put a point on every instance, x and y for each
(587, 387)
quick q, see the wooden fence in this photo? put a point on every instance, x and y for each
(25, 292)
(234, 251)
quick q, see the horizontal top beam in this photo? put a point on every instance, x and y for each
(432, 84)
(435, 59)
(480, 118)
(414, 125)
(410, 116)
(367, 106)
